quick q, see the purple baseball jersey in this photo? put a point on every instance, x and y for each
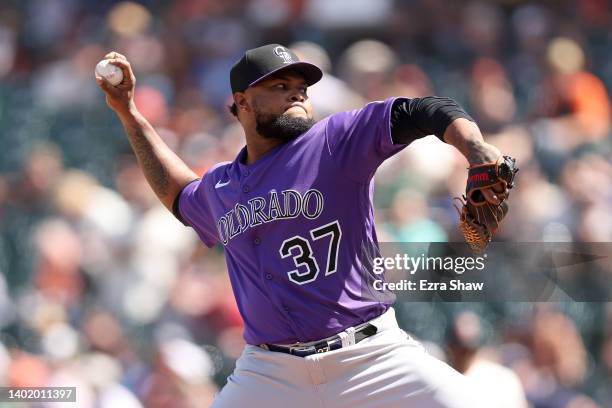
(294, 223)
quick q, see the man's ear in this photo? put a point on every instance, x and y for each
(241, 101)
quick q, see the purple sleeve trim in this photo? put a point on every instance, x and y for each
(175, 205)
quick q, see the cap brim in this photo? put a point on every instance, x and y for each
(311, 73)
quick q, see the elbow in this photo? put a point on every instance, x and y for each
(441, 112)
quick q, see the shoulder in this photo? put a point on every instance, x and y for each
(372, 117)
(372, 110)
(217, 169)
(214, 174)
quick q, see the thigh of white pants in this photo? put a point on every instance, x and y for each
(392, 370)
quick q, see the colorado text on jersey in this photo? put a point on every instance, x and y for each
(261, 210)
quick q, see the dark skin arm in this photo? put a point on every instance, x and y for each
(466, 137)
(165, 172)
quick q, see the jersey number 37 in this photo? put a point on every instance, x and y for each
(299, 248)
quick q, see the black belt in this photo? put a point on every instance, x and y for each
(332, 343)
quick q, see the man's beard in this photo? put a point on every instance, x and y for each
(281, 127)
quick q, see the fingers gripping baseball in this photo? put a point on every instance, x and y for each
(118, 97)
(115, 54)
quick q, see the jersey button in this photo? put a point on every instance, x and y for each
(246, 173)
(246, 189)
(256, 241)
(268, 276)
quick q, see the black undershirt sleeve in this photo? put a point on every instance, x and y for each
(414, 118)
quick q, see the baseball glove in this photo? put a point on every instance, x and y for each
(479, 217)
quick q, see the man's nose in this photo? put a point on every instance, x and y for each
(297, 96)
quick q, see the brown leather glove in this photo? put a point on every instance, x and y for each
(479, 217)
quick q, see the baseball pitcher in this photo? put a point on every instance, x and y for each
(293, 211)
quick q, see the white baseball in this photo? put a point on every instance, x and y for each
(111, 72)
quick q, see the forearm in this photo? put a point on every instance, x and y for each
(165, 172)
(466, 137)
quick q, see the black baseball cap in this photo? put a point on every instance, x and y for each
(259, 63)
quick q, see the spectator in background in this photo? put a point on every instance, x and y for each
(557, 364)
(468, 354)
(410, 220)
(574, 94)
(330, 94)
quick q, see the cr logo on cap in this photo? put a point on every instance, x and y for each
(283, 54)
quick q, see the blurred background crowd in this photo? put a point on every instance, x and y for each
(101, 288)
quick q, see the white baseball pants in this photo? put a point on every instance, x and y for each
(386, 370)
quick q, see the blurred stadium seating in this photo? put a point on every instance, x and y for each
(102, 289)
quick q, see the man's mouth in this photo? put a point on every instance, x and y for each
(296, 106)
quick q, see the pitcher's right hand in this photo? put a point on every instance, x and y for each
(119, 98)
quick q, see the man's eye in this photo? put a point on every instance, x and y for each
(280, 86)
